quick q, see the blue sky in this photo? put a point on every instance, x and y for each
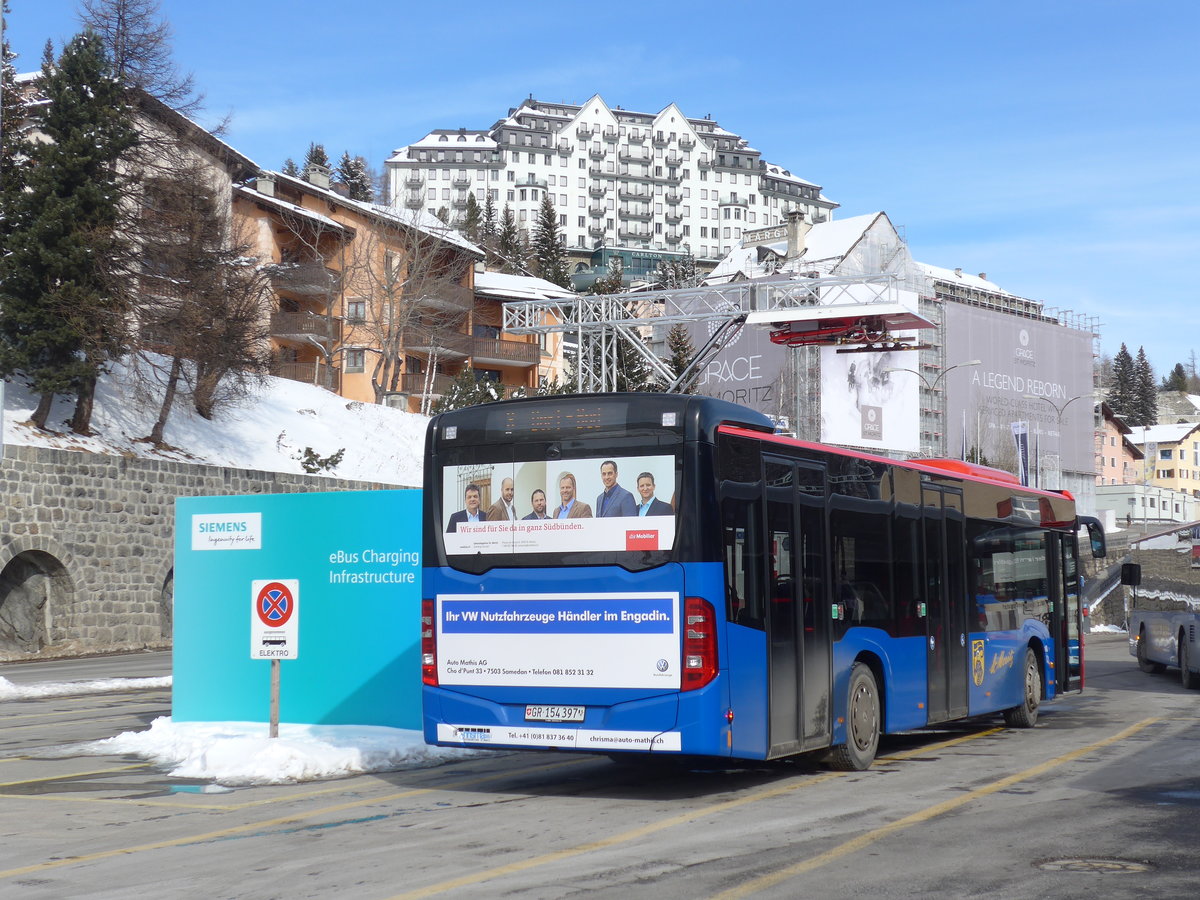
(1052, 145)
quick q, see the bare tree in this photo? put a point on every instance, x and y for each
(204, 299)
(408, 272)
(138, 41)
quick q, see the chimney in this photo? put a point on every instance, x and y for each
(797, 230)
(958, 271)
(983, 276)
(265, 184)
(317, 176)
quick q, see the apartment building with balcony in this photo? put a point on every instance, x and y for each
(1172, 455)
(1118, 459)
(383, 305)
(365, 297)
(659, 182)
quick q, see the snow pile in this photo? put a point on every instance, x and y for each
(267, 431)
(241, 753)
(10, 691)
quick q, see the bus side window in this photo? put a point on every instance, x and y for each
(743, 561)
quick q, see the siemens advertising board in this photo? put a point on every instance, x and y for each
(1021, 358)
(241, 566)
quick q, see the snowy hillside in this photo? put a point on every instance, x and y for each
(268, 431)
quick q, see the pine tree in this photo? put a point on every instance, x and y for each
(13, 114)
(471, 218)
(316, 156)
(613, 282)
(65, 298)
(1177, 380)
(678, 273)
(547, 246)
(488, 230)
(510, 245)
(1145, 390)
(290, 168)
(1121, 390)
(352, 172)
(682, 352)
(467, 389)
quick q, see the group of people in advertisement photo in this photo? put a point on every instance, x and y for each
(532, 492)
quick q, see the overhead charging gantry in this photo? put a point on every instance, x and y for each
(855, 313)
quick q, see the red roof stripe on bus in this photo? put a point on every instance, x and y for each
(920, 465)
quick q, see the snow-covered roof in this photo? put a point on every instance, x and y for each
(284, 206)
(825, 245)
(782, 174)
(517, 287)
(958, 276)
(411, 218)
(1162, 434)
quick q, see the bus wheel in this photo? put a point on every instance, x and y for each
(1025, 715)
(1190, 679)
(862, 723)
(1143, 660)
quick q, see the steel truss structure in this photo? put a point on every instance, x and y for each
(600, 322)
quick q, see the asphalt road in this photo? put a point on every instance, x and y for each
(1100, 800)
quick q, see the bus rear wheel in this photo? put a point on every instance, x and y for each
(1190, 679)
(1143, 660)
(1025, 715)
(862, 723)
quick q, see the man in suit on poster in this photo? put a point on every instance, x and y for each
(614, 500)
(471, 513)
(538, 501)
(504, 510)
(571, 508)
(650, 505)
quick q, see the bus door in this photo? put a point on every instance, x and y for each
(1066, 614)
(944, 582)
(797, 614)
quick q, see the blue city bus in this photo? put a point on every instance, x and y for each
(662, 574)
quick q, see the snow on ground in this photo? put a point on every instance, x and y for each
(242, 753)
(10, 691)
(268, 430)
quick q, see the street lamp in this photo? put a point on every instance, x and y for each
(1059, 411)
(931, 386)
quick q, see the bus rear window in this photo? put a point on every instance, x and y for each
(601, 505)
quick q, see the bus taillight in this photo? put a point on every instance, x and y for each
(428, 644)
(699, 644)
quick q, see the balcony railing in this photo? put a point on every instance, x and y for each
(627, 193)
(310, 279)
(414, 202)
(428, 340)
(660, 139)
(629, 154)
(596, 231)
(686, 143)
(674, 237)
(634, 233)
(637, 137)
(597, 190)
(674, 159)
(414, 181)
(674, 218)
(462, 182)
(418, 385)
(451, 297)
(673, 197)
(610, 134)
(301, 325)
(309, 373)
(459, 202)
(595, 171)
(596, 211)
(501, 351)
(531, 181)
(633, 212)
(598, 152)
(584, 132)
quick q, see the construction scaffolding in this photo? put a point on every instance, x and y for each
(601, 322)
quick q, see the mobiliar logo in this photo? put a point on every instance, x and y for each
(642, 539)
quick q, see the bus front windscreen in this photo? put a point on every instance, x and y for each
(601, 507)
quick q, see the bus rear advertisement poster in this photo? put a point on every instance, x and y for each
(595, 640)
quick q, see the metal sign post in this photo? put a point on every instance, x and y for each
(275, 630)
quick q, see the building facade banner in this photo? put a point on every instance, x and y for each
(1022, 358)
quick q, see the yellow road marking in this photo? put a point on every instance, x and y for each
(663, 824)
(280, 820)
(871, 837)
(4, 784)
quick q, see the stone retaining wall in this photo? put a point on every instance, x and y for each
(87, 545)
